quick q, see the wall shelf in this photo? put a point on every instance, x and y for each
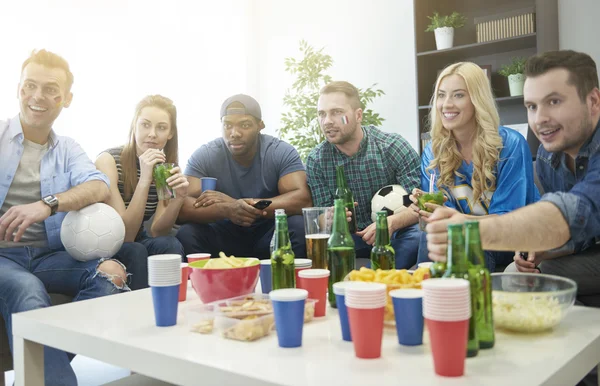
(429, 62)
(486, 48)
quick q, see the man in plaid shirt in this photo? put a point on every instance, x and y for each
(372, 159)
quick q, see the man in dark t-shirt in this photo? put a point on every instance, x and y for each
(249, 167)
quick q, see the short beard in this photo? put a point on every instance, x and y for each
(585, 128)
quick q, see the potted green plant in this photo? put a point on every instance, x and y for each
(514, 72)
(443, 28)
(299, 124)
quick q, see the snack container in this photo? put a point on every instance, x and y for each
(245, 318)
(201, 318)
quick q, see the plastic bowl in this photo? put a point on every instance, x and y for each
(526, 302)
(223, 283)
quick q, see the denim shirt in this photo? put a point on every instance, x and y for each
(64, 166)
(576, 195)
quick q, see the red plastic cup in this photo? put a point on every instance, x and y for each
(195, 257)
(315, 281)
(449, 346)
(301, 265)
(185, 272)
(366, 329)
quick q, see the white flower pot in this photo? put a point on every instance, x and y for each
(515, 84)
(444, 37)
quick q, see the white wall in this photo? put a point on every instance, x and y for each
(122, 50)
(200, 52)
(369, 41)
(578, 26)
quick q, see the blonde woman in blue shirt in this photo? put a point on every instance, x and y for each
(483, 168)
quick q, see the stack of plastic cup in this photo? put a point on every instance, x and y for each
(185, 273)
(339, 289)
(315, 281)
(447, 310)
(301, 264)
(164, 277)
(365, 303)
(288, 309)
(265, 276)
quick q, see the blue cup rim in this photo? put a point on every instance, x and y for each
(411, 293)
(288, 295)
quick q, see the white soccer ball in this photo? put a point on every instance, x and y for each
(390, 199)
(94, 232)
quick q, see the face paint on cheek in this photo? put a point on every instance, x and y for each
(345, 120)
(58, 101)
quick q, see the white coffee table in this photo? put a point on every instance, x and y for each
(120, 330)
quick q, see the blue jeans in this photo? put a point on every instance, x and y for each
(28, 274)
(240, 241)
(134, 256)
(491, 257)
(404, 241)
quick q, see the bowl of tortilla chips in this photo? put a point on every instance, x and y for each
(225, 277)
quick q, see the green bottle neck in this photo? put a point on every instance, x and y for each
(340, 223)
(340, 178)
(382, 233)
(473, 249)
(457, 259)
(282, 236)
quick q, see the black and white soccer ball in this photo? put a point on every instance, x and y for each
(390, 198)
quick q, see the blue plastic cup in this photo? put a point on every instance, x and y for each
(288, 307)
(265, 276)
(408, 311)
(339, 289)
(208, 183)
(165, 300)
(340, 300)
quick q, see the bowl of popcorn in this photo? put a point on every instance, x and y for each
(527, 302)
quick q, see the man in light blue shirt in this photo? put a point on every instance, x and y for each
(43, 176)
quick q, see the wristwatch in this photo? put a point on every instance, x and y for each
(52, 202)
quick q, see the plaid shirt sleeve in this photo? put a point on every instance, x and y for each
(408, 164)
(316, 181)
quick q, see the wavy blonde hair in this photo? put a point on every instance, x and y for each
(487, 142)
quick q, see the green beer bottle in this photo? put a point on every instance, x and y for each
(458, 267)
(344, 193)
(483, 306)
(283, 274)
(437, 269)
(382, 254)
(341, 256)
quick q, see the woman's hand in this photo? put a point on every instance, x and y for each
(178, 182)
(150, 158)
(414, 207)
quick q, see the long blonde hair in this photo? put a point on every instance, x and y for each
(129, 156)
(487, 142)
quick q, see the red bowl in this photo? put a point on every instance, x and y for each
(223, 283)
